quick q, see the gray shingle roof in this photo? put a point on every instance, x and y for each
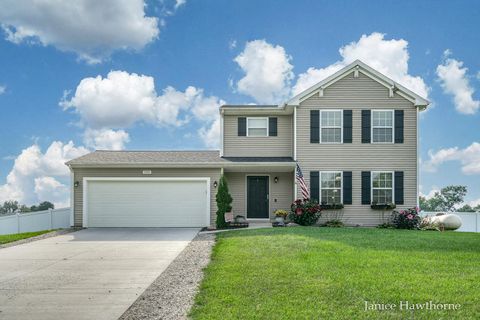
(209, 157)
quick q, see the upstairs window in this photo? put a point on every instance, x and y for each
(382, 187)
(331, 187)
(257, 127)
(382, 126)
(331, 122)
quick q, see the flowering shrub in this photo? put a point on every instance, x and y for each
(406, 219)
(280, 213)
(305, 212)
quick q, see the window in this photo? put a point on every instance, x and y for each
(257, 127)
(331, 187)
(382, 126)
(331, 126)
(382, 187)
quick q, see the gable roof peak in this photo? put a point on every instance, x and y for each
(356, 67)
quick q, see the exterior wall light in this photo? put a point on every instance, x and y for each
(275, 179)
(76, 184)
(215, 184)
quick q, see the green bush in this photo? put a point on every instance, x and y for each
(305, 212)
(224, 203)
(334, 223)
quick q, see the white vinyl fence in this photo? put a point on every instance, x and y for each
(35, 221)
(470, 220)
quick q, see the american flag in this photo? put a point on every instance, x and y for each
(301, 182)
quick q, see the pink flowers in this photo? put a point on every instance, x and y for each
(410, 217)
(298, 212)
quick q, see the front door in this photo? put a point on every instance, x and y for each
(257, 197)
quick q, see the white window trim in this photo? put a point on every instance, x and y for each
(393, 184)
(392, 126)
(256, 118)
(320, 184)
(331, 127)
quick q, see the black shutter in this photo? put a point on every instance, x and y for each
(314, 126)
(366, 122)
(347, 126)
(398, 126)
(242, 126)
(347, 187)
(398, 187)
(366, 187)
(272, 127)
(314, 185)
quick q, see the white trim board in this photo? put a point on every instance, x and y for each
(87, 179)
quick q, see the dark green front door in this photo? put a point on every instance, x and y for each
(257, 197)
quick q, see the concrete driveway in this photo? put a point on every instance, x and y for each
(89, 274)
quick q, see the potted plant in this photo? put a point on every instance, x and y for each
(280, 215)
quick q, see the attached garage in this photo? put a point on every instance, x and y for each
(146, 202)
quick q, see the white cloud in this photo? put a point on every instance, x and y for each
(2, 89)
(106, 139)
(431, 193)
(454, 81)
(122, 99)
(210, 135)
(389, 57)
(34, 172)
(468, 157)
(268, 72)
(92, 29)
(52, 190)
(179, 3)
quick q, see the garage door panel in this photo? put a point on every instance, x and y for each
(147, 204)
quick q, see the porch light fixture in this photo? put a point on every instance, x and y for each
(76, 184)
(275, 179)
(215, 184)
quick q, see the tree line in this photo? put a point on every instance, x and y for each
(449, 198)
(11, 206)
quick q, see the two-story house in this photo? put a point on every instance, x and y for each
(354, 136)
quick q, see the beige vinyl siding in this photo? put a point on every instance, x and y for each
(282, 191)
(357, 94)
(279, 146)
(80, 173)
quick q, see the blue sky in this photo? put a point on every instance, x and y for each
(207, 53)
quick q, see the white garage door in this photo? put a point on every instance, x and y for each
(146, 203)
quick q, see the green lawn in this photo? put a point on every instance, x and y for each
(328, 273)
(19, 236)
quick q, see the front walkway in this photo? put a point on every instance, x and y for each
(89, 274)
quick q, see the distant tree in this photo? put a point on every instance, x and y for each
(23, 208)
(9, 207)
(445, 200)
(45, 205)
(466, 208)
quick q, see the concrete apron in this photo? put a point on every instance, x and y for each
(89, 274)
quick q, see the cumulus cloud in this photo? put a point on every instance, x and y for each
(50, 189)
(268, 72)
(389, 57)
(34, 174)
(121, 99)
(454, 81)
(106, 139)
(2, 90)
(469, 158)
(210, 135)
(91, 29)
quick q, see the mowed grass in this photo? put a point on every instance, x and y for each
(19, 236)
(328, 273)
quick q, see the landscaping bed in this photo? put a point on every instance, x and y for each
(334, 273)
